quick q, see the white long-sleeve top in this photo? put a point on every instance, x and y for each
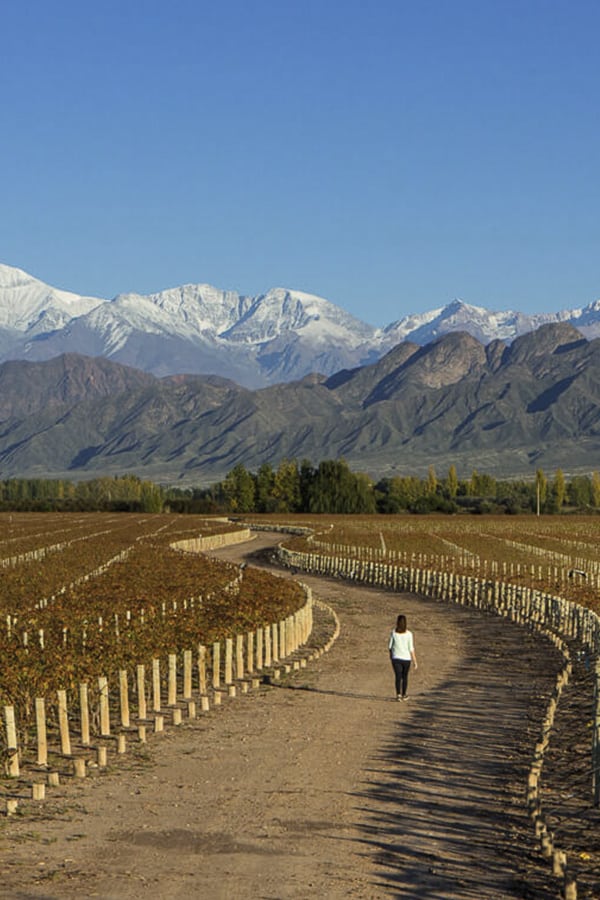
(401, 644)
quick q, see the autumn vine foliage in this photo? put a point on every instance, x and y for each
(112, 594)
(558, 557)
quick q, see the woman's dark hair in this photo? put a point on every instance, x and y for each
(401, 624)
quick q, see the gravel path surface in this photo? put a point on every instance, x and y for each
(323, 785)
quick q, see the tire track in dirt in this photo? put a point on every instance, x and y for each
(324, 785)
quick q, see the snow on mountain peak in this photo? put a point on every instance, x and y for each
(26, 301)
(279, 335)
(281, 311)
(11, 277)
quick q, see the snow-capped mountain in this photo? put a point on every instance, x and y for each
(479, 322)
(281, 335)
(25, 301)
(278, 336)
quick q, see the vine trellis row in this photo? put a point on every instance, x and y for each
(562, 563)
(105, 715)
(99, 716)
(554, 617)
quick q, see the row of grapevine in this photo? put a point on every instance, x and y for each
(561, 558)
(80, 727)
(38, 579)
(62, 624)
(102, 662)
(555, 617)
(152, 601)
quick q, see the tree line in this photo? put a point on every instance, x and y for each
(300, 487)
(331, 487)
(126, 493)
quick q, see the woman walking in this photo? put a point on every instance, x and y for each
(402, 653)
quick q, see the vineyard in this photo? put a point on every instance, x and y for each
(543, 576)
(111, 625)
(559, 556)
(99, 612)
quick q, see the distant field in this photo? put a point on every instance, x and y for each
(560, 555)
(84, 595)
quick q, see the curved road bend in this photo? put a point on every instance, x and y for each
(324, 786)
(423, 799)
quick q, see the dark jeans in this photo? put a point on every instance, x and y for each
(401, 667)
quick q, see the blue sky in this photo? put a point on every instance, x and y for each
(387, 155)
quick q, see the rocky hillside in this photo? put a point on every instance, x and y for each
(501, 408)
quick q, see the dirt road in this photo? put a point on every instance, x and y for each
(323, 786)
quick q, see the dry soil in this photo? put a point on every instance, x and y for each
(322, 785)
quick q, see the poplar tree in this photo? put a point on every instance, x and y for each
(559, 489)
(452, 482)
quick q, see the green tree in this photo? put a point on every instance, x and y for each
(472, 484)
(579, 491)
(306, 479)
(481, 485)
(406, 490)
(514, 496)
(151, 497)
(395, 495)
(541, 489)
(335, 489)
(239, 490)
(364, 498)
(286, 486)
(452, 482)
(265, 479)
(432, 482)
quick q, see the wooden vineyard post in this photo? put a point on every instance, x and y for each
(275, 644)
(159, 723)
(201, 669)
(267, 646)
(141, 691)
(172, 682)
(187, 674)
(239, 656)
(216, 665)
(250, 652)
(298, 620)
(294, 631)
(228, 661)
(283, 650)
(156, 700)
(84, 713)
(40, 727)
(63, 723)
(259, 649)
(104, 706)
(13, 770)
(298, 628)
(124, 698)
